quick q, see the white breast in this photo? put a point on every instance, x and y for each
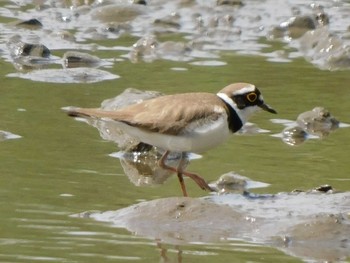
(196, 138)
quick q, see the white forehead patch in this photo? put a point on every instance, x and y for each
(246, 89)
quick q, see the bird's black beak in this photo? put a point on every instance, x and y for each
(266, 107)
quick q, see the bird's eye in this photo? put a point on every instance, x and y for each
(252, 97)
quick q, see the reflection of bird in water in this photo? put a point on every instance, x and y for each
(140, 164)
(165, 258)
(188, 122)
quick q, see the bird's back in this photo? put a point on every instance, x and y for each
(168, 114)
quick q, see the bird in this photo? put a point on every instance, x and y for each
(185, 122)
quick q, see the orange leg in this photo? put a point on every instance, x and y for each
(182, 183)
(180, 172)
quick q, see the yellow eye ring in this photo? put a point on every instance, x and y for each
(252, 97)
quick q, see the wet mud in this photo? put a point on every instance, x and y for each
(313, 226)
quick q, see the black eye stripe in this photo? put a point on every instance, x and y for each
(248, 99)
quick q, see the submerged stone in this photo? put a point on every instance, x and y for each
(294, 135)
(19, 48)
(72, 75)
(297, 26)
(30, 24)
(318, 121)
(118, 13)
(74, 59)
(230, 2)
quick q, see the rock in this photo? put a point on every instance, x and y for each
(30, 24)
(74, 59)
(127, 97)
(297, 26)
(294, 135)
(315, 124)
(18, 48)
(298, 224)
(144, 48)
(118, 13)
(318, 121)
(171, 21)
(325, 50)
(230, 2)
(139, 2)
(28, 55)
(72, 75)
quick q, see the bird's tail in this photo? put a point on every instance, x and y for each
(86, 112)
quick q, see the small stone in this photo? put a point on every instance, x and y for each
(74, 59)
(30, 24)
(294, 135)
(318, 121)
(230, 2)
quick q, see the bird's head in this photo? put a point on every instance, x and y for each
(245, 99)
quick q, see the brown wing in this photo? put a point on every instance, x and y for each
(166, 114)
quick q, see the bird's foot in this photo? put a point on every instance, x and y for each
(199, 180)
(180, 172)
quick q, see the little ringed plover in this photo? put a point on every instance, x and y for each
(187, 122)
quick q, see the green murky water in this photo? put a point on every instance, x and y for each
(61, 167)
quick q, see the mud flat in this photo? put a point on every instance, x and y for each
(310, 225)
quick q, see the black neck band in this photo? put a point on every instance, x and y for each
(234, 121)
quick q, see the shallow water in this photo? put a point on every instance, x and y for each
(59, 167)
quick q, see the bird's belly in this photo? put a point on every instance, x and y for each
(195, 139)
